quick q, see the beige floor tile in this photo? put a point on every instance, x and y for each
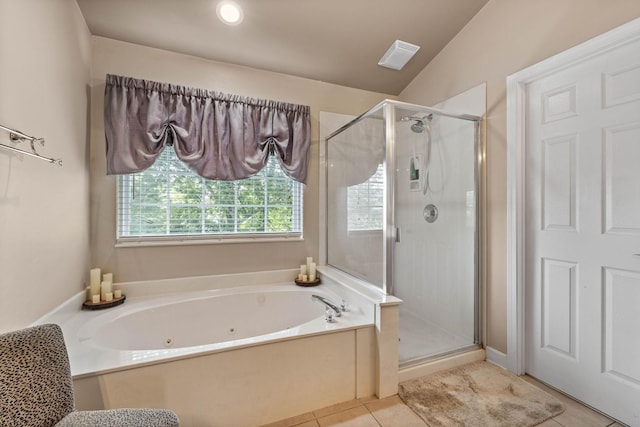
(313, 423)
(550, 423)
(575, 414)
(616, 425)
(338, 407)
(354, 417)
(392, 412)
(293, 421)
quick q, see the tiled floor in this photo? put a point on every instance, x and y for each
(392, 412)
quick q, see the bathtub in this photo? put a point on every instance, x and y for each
(200, 346)
(207, 321)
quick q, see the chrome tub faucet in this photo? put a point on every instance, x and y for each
(328, 303)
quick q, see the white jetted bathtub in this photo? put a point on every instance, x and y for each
(223, 350)
(215, 319)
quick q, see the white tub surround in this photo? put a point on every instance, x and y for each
(225, 350)
(386, 328)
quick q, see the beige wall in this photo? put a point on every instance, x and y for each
(130, 264)
(504, 37)
(45, 60)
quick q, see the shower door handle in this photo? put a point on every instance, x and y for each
(397, 234)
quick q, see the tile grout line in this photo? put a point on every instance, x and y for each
(372, 415)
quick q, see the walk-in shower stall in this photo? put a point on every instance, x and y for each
(403, 213)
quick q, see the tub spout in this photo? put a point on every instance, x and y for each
(328, 303)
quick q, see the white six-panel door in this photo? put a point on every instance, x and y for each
(582, 216)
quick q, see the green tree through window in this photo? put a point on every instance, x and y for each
(168, 199)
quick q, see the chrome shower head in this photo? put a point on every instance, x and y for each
(418, 126)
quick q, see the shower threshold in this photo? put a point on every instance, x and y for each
(437, 357)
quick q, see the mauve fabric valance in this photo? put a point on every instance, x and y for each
(219, 136)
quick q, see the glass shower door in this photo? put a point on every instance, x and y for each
(435, 251)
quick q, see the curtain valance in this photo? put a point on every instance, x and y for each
(219, 136)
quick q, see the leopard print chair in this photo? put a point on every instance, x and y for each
(36, 387)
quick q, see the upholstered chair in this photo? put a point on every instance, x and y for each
(36, 387)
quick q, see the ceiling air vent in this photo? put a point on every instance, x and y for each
(398, 55)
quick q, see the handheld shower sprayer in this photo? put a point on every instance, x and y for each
(420, 125)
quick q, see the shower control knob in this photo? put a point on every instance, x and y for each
(430, 213)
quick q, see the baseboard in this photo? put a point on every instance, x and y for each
(406, 374)
(497, 357)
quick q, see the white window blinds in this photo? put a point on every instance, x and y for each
(169, 200)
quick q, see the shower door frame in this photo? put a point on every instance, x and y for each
(390, 233)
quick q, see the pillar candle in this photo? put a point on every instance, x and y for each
(108, 296)
(95, 299)
(303, 269)
(107, 277)
(117, 293)
(309, 261)
(105, 288)
(94, 283)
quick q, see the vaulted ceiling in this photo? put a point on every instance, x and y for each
(336, 41)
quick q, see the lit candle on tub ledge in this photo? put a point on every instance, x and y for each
(94, 282)
(106, 288)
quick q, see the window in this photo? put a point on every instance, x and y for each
(170, 202)
(365, 203)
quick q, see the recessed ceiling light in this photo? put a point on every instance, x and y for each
(229, 12)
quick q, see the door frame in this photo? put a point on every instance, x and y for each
(516, 173)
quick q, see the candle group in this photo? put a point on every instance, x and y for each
(101, 287)
(308, 271)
